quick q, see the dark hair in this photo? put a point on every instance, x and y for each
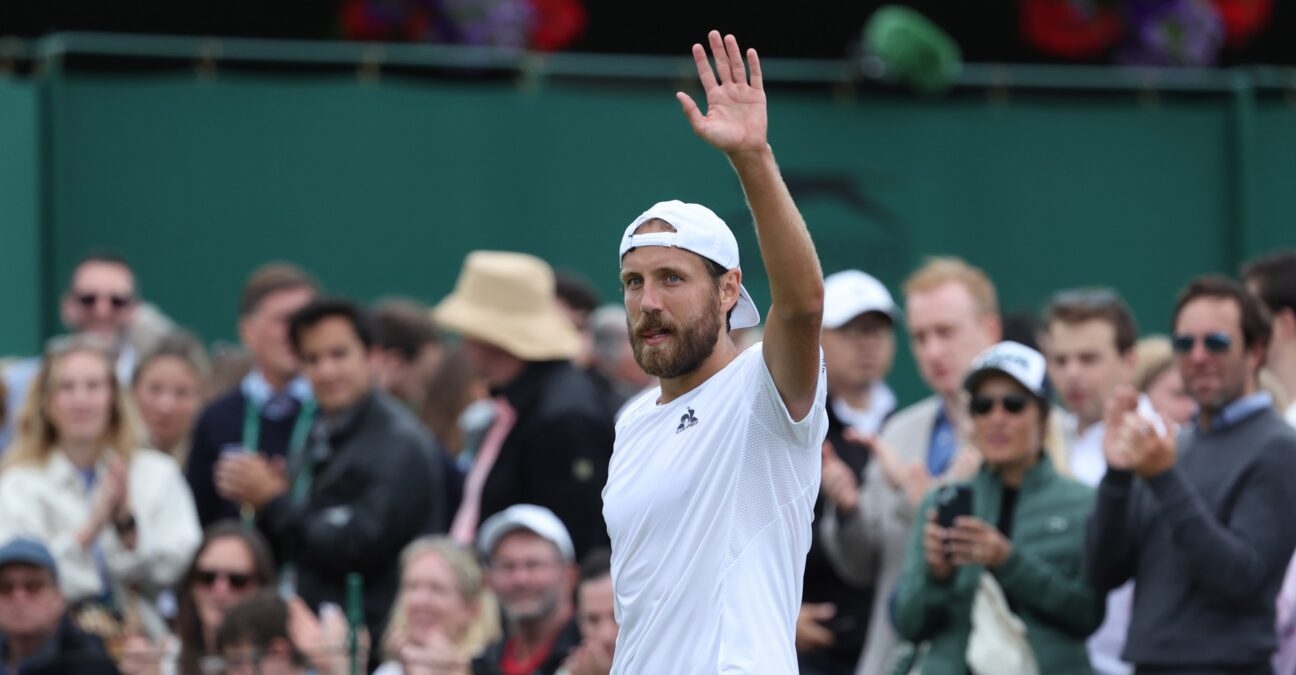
(257, 621)
(273, 278)
(188, 624)
(716, 270)
(320, 309)
(102, 256)
(404, 326)
(1080, 305)
(1255, 320)
(575, 291)
(1274, 278)
(1021, 327)
(596, 564)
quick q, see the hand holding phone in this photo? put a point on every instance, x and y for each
(952, 501)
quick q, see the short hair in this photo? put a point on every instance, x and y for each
(319, 309)
(404, 326)
(1274, 276)
(103, 256)
(257, 621)
(1080, 305)
(575, 291)
(272, 278)
(940, 270)
(1255, 320)
(596, 564)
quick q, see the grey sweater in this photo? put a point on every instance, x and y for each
(1206, 542)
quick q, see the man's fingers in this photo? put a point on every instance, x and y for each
(820, 611)
(723, 70)
(734, 56)
(753, 65)
(691, 111)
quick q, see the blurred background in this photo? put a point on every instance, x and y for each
(1054, 143)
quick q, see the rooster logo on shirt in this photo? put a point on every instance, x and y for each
(686, 420)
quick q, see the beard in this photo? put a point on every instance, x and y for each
(688, 347)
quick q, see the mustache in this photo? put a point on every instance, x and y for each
(651, 322)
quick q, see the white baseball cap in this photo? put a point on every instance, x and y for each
(1016, 360)
(700, 230)
(535, 519)
(850, 293)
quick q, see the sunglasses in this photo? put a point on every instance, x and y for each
(89, 300)
(1215, 343)
(237, 580)
(1013, 404)
(29, 586)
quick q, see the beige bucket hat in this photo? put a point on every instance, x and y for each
(507, 300)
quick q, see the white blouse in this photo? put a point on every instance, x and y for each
(50, 502)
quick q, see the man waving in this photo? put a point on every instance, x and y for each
(714, 476)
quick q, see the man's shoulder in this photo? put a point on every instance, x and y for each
(916, 416)
(226, 405)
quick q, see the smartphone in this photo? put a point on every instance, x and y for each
(952, 501)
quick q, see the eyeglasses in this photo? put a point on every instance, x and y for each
(89, 300)
(1012, 404)
(1216, 342)
(27, 586)
(237, 580)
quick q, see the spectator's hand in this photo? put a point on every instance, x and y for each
(935, 540)
(117, 474)
(735, 120)
(323, 639)
(839, 483)
(893, 468)
(1151, 452)
(140, 657)
(917, 481)
(973, 541)
(1115, 441)
(811, 634)
(433, 655)
(247, 478)
(591, 658)
(965, 464)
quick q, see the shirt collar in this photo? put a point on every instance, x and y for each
(258, 390)
(1239, 410)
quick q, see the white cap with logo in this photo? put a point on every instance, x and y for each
(700, 230)
(850, 293)
(535, 519)
(1016, 360)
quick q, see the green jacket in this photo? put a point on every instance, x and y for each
(1042, 577)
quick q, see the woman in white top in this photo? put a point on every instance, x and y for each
(444, 615)
(116, 517)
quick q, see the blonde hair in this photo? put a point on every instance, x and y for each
(37, 436)
(1153, 356)
(938, 271)
(469, 577)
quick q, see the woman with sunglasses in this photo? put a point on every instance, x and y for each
(999, 589)
(232, 565)
(119, 518)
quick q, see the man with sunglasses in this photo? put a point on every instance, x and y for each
(1200, 520)
(100, 299)
(36, 633)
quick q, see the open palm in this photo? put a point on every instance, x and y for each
(736, 118)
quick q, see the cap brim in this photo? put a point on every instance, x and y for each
(976, 377)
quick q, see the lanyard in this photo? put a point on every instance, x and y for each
(296, 444)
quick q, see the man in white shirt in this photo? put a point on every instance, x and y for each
(714, 474)
(1090, 345)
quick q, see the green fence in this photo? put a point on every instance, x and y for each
(381, 181)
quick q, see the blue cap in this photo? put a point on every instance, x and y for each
(27, 552)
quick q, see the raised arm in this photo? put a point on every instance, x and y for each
(736, 123)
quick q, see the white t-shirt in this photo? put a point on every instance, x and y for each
(709, 504)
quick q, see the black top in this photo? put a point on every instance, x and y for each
(377, 485)
(822, 583)
(220, 425)
(70, 651)
(568, 639)
(557, 453)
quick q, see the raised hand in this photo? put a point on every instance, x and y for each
(839, 484)
(735, 120)
(1152, 451)
(1115, 441)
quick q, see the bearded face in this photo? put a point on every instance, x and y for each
(669, 348)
